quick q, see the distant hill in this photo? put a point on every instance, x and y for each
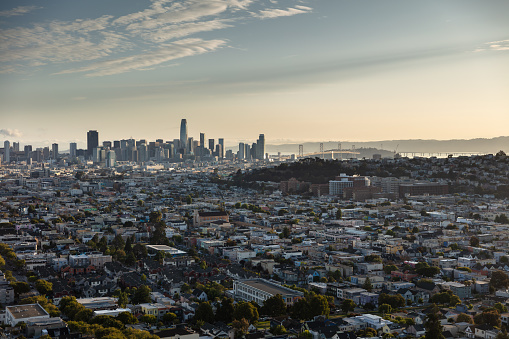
(481, 145)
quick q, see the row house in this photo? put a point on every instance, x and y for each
(405, 276)
(376, 281)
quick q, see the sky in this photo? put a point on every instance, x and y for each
(310, 70)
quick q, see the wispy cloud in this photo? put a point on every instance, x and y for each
(275, 12)
(150, 37)
(500, 45)
(171, 32)
(176, 50)
(20, 10)
(10, 132)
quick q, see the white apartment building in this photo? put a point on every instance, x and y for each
(259, 290)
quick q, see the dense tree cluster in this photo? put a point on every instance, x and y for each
(434, 329)
(394, 300)
(499, 279)
(310, 306)
(445, 297)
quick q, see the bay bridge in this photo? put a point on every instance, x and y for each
(344, 154)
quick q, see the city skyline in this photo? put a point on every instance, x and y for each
(305, 71)
(108, 152)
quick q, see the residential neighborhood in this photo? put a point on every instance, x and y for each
(382, 248)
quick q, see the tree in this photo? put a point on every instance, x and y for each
(339, 214)
(274, 306)
(241, 326)
(84, 315)
(464, 318)
(389, 268)
(185, 288)
(204, 313)
(189, 200)
(20, 287)
(426, 270)
(319, 305)
(127, 318)
(140, 251)
(502, 335)
(474, 241)
(286, 232)
(247, 311)
(490, 317)
(148, 319)
(373, 258)
(118, 242)
(44, 287)
(123, 299)
(367, 285)
(385, 308)
(278, 330)
(128, 248)
(455, 300)
(225, 311)
(155, 217)
(446, 297)
(368, 332)
(169, 317)
(141, 295)
(348, 305)
(500, 308)
(395, 301)
(434, 329)
(300, 310)
(70, 307)
(130, 260)
(499, 279)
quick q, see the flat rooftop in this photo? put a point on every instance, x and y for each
(167, 249)
(269, 287)
(27, 311)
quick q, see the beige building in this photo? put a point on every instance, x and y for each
(24, 313)
(201, 218)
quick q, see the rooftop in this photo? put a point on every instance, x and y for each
(269, 287)
(27, 311)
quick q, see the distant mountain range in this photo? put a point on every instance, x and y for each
(479, 145)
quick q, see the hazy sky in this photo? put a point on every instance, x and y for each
(315, 70)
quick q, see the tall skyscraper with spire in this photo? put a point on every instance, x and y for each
(183, 134)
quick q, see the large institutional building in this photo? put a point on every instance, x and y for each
(259, 290)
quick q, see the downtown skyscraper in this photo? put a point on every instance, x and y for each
(92, 142)
(183, 134)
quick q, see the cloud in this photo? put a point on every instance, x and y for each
(175, 50)
(10, 132)
(148, 37)
(179, 31)
(240, 4)
(21, 10)
(500, 45)
(57, 41)
(275, 13)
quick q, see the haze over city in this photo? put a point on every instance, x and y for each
(297, 71)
